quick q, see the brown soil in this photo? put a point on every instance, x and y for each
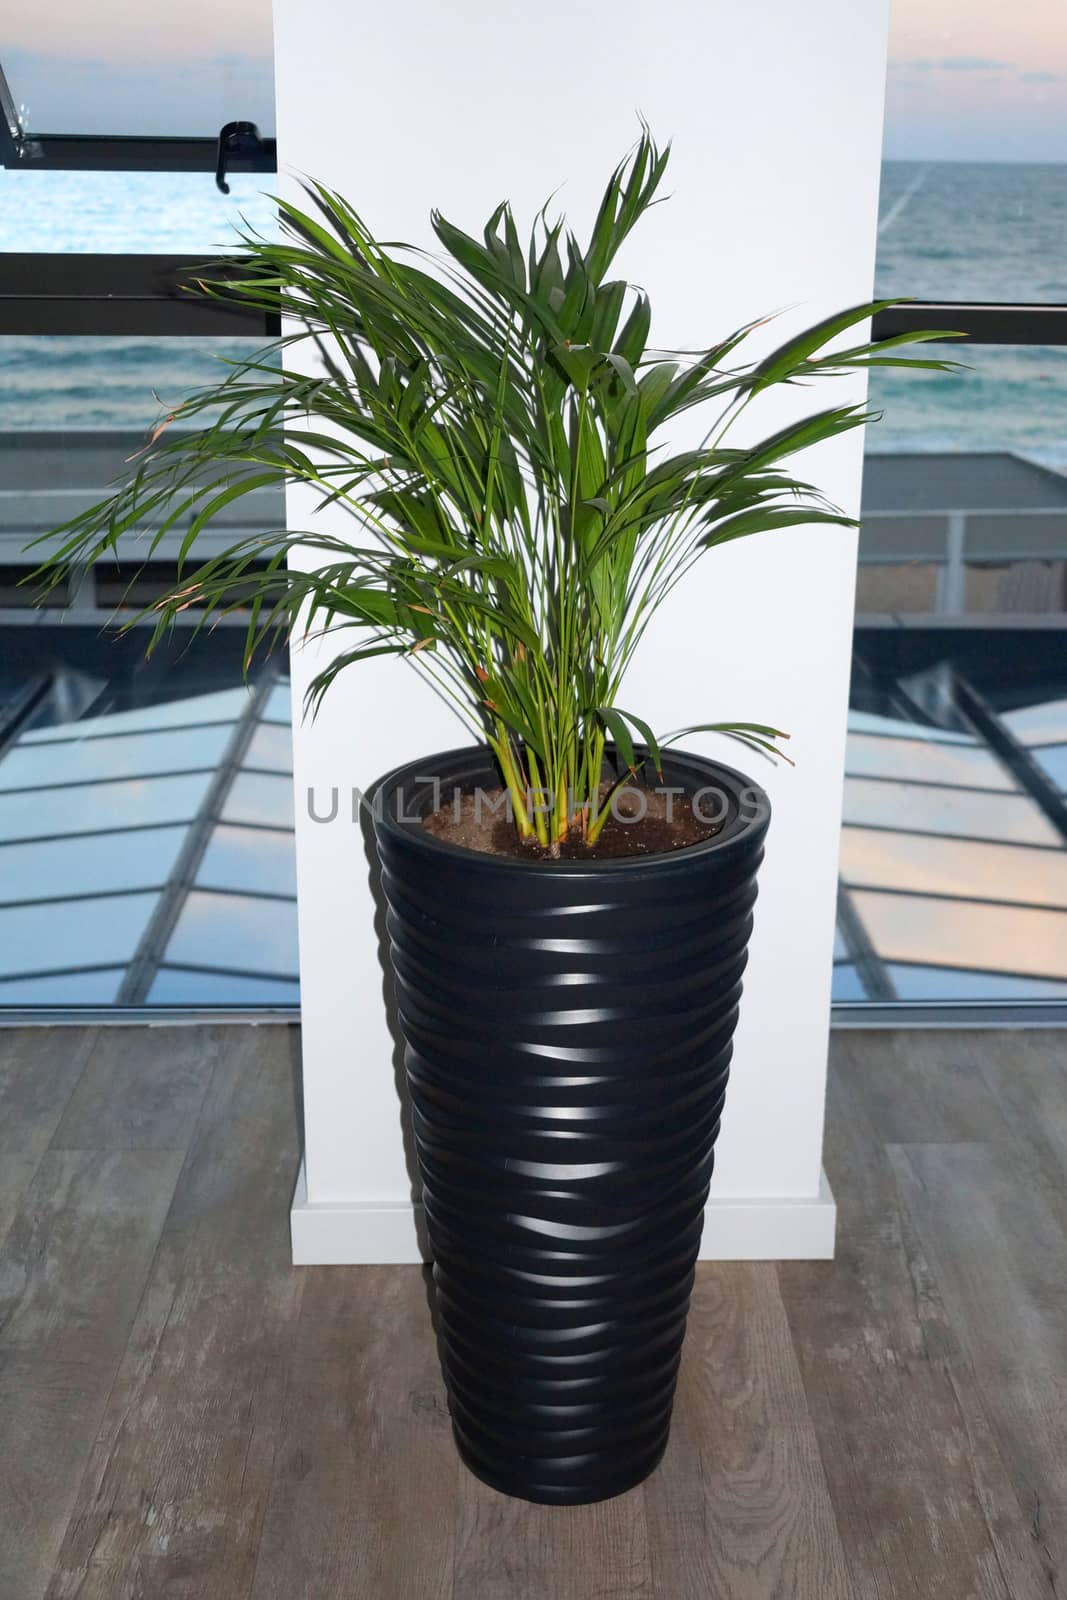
(665, 823)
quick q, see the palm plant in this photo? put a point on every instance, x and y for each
(491, 420)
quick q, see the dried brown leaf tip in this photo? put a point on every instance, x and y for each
(188, 597)
(481, 675)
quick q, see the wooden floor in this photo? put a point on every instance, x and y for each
(183, 1414)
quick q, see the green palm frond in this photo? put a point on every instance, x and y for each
(493, 423)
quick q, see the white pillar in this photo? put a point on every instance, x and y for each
(776, 112)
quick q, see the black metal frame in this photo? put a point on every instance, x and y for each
(77, 152)
(150, 296)
(978, 322)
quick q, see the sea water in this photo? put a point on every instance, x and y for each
(947, 231)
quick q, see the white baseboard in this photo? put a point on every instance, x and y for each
(363, 1233)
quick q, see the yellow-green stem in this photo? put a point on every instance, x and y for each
(536, 787)
(519, 800)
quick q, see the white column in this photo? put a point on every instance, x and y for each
(776, 111)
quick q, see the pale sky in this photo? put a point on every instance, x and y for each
(979, 80)
(139, 66)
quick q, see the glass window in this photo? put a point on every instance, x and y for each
(972, 206)
(194, 710)
(964, 493)
(271, 748)
(77, 761)
(971, 814)
(1045, 723)
(927, 761)
(49, 938)
(259, 797)
(236, 932)
(90, 864)
(65, 989)
(990, 938)
(132, 803)
(1053, 760)
(114, 67)
(279, 705)
(187, 986)
(949, 983)
(132, 213)
(957, 867)
(847, 983)
(249, 858)
(969, 226)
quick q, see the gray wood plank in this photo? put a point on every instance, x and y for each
(920, 1086)
(174, 1493)
(77, 1254)
(142, 1089)
(364, 1500)
(740, 1506)
(925, 1503)
(39, 1068)
(1001, 1261)
(1027, 1073)
(49, 1412)
(508, 1550)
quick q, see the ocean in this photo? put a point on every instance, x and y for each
(946, 231)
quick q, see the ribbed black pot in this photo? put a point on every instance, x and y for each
(568, 1029)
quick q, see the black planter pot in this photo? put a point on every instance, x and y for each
(568, 1029)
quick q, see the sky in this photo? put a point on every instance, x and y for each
(978, 80)
(139, 66)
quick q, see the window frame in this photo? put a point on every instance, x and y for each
(77, 152)
(101, 295)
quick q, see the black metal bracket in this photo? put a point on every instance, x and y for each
(239, 144)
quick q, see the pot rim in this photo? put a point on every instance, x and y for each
(739, 834)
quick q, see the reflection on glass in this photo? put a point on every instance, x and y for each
(990, 938)
(75, 408)
(185, 986)
(133, 803)
(967, 229)
(132, 213)
(198, 710)
(847, 983)
(71, 852)
(64, 989)
(902, 728)
(133, 755)
(1053, 760)
(964, 494)
(969, 814)
(271, 748)
(238, 932)
(1038, 724)
(89, 864)
(37, 939)
(279, 705)
(260, 797)
(927, 761)
(956, 867)
(249, 858)
(947, 983)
